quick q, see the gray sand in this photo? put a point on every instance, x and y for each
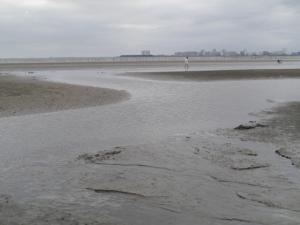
(27, 95)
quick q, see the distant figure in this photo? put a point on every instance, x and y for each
(186, 64)
(278, 61)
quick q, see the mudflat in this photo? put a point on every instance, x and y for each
(223, 176)
(219, 74)
(227, 177)
(27, 95)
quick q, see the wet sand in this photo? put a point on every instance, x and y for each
(27, 95)
(224, 177)
(219, 75)
(221, 177)
(283, 130)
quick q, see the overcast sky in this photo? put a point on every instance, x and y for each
(44, 28)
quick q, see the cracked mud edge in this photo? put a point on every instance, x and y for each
(114, 191)
(238, 182)
(295, 161)
(252, 167)
(265, 203)
(133, 194)
(250, 125)
(283, 153)
(136, 165)
(236, 220)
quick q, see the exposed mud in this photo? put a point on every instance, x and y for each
(212, 178)
(223, 177)
(101, 155)
(250, 125)
(28, 95)
(249, 166)
(284, 153)
(219, 75)
(227, 178)
(111, 191)
(282, 129)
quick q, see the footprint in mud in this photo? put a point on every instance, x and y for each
(196, 150)
(9, 210)
(5, 199)
(101, 155)
(188, 138)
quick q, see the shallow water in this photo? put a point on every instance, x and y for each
(156, 110)
(162, 108)
(36, 149)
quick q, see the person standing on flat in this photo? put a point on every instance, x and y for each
(186, 64)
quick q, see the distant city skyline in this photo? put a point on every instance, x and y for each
(66, 28)
(216, 53)
(244, 52)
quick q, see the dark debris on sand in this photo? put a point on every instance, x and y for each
(250, 125)
(101, 156)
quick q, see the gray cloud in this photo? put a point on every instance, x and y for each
(42, 28)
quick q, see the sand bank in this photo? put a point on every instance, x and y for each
(283, 130)
(219, 75)
(19, 96)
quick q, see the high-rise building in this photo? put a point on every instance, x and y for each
(146, 52)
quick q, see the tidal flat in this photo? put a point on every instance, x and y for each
(169, 154)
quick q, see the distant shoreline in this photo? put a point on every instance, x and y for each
(100, 62)
(219, 74)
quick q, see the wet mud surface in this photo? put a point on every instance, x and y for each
(219, 75)
(28, 95)
(282, 128)
(224, 177)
